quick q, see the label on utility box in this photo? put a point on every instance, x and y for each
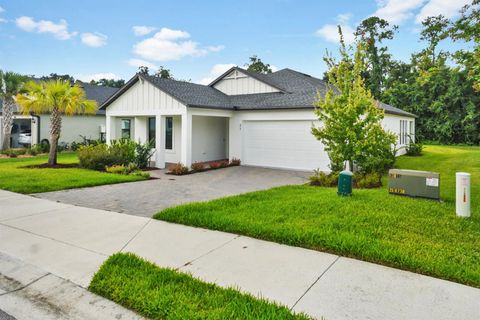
(432, 182)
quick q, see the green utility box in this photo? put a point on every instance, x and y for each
(345, 182)
(413, 183)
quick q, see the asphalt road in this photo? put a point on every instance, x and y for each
(5, 316)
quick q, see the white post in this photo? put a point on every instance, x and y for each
(186, 155)
(160, 142)
(463, 194)
(110, 128)
(140, 129)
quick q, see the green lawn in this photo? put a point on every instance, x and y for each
(161, 293)
(14, 177)
(419, 235)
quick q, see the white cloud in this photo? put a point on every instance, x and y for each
(139, 63)
(215, 48)
(2, 10)
(448, 8)
(26, 23)
(329, 32)
(168, 44)
(274, 68)
(94, 40)
(59, 30)
(97, 76)
(142, 30)
(216, 71)
(396, 11)
(3, 20)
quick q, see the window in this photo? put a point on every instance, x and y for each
(151, 130)
(412, 131)
(126, 128)
(404, 134)
(169, 133)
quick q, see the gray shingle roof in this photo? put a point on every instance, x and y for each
(297, 91)
(191, 94)
(92, 92)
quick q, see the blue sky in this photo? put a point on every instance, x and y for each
(196, 40)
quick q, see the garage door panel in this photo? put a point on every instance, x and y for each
(283, 144)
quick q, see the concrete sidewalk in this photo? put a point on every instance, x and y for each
(71, 242)
(27, 292)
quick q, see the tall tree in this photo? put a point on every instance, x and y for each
(57, 98)
(163, 73)
(54, 76)
(372, 32)
(350, 118)
(11, 84)
(143, 70)
(108, 83)
(467, 29)
(434, 30)
(256, 65)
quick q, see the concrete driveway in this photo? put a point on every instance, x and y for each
(148, 197)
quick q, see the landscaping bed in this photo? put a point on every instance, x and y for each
(161, 293)
(27, 175)
(419, 235)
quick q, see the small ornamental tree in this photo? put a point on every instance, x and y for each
(350, 118)
(57, 98)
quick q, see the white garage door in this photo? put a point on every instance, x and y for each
(282, 144)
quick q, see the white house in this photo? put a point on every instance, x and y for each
(37, 127)
(262, 119)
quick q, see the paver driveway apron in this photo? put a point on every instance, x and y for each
(148, 197)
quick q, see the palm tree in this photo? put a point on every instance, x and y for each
(11, 84)
(57, 98)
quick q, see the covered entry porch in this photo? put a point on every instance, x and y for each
(185, 138)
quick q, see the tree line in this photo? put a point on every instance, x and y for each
(440, 86)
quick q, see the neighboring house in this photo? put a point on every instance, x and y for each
(262, 119)
(32, 129)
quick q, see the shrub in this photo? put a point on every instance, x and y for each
(141, 174)
(235, 162)
(178, 169)
(118, 169)
(215, 164)
(224, 163)
(321, 179)
(14, 152)
(96, 157)
(44, 146)
(198, 166)
(367, 180)
(99, 156)
(122, 151)
(40, 148)
(131, 168)
(143, 153)
(414, 149)
(32, 151)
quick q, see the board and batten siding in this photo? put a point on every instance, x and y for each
(239, 83)
(143, 98)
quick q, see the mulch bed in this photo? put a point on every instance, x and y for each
(56, 166)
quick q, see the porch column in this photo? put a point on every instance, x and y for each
(110, 129)
(160, 142)
(140, 129)
(186, 155)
